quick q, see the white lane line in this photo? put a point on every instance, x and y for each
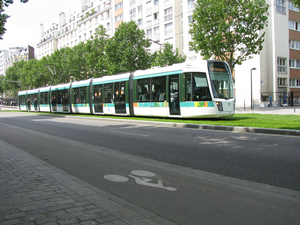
(120, 132)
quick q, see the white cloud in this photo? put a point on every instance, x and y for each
(23, 27)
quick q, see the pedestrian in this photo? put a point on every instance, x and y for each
(285, 98)
(270, 100)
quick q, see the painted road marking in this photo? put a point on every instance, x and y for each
(141, 177)
(143, 135)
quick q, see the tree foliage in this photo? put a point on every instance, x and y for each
(229, 30)
(296, 3)
(3, 16)
(126, 50)
(167, 56)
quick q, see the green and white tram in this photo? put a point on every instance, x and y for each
(188, 90)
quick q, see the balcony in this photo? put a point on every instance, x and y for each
(168, 33)
(155, 22)
(148, 11)
(156, 37)
(155, 8)
(149, 23)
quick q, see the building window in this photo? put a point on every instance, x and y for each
(294, 63)
(280, 6)
(190, 19)
(132, 3)
(295, 83)
(119, 6)
(149, 32)
(294, 44)
(168, 14)
(190, 3)
(132, 14)
(292, 7)
(140, 8)
(119, 18)
(155, 15)
(168, 29)
(156, 2)
(294, 25)
(156, 30)
(140, 22)
(281, 65)
(282, 82)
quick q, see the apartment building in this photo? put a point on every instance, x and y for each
(3, 57)
(161, 20)
(14, 54)
(276, 70)
(77, 27)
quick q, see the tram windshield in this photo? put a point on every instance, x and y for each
(221, 80)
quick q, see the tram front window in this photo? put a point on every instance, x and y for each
(221, 80)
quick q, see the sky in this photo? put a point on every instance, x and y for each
(23, 27)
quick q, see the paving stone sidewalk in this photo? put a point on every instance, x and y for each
(34, 192)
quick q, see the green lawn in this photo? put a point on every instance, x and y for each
(241, 120)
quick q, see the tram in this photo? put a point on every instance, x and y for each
(197, 89)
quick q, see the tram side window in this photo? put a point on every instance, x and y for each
(76, 96)
(158, 88)
(108, 93)
(143, 90)
(83, 95)
(54, 97)
(42, 98)
(22, 100)
(65, 96)
(197, 88)
(59, 98)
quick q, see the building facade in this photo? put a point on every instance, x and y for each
(77, 27)
(276, 70)
(14, 54)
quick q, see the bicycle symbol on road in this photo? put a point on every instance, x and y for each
(141, 177)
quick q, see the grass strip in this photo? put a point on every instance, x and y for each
(271, 121)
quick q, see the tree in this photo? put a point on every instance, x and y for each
(13, 74)
(167, 57)
(126, 50)
(296, 3)
(229, 30)
(4, 17)
(96, 57)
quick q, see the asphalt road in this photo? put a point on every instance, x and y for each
(187, 166)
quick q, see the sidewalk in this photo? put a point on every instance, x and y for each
(34, 192)
(271, 110)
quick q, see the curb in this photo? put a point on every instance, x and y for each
(193, 126)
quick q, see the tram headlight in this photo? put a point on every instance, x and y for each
(220, 106)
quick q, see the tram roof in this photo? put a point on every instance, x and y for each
(33, 91)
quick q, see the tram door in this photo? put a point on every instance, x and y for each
(174, 95)
(65, 100)
(98, 99)
(120, 104)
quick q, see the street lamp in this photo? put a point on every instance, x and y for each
(251, 85)
(53, 72)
